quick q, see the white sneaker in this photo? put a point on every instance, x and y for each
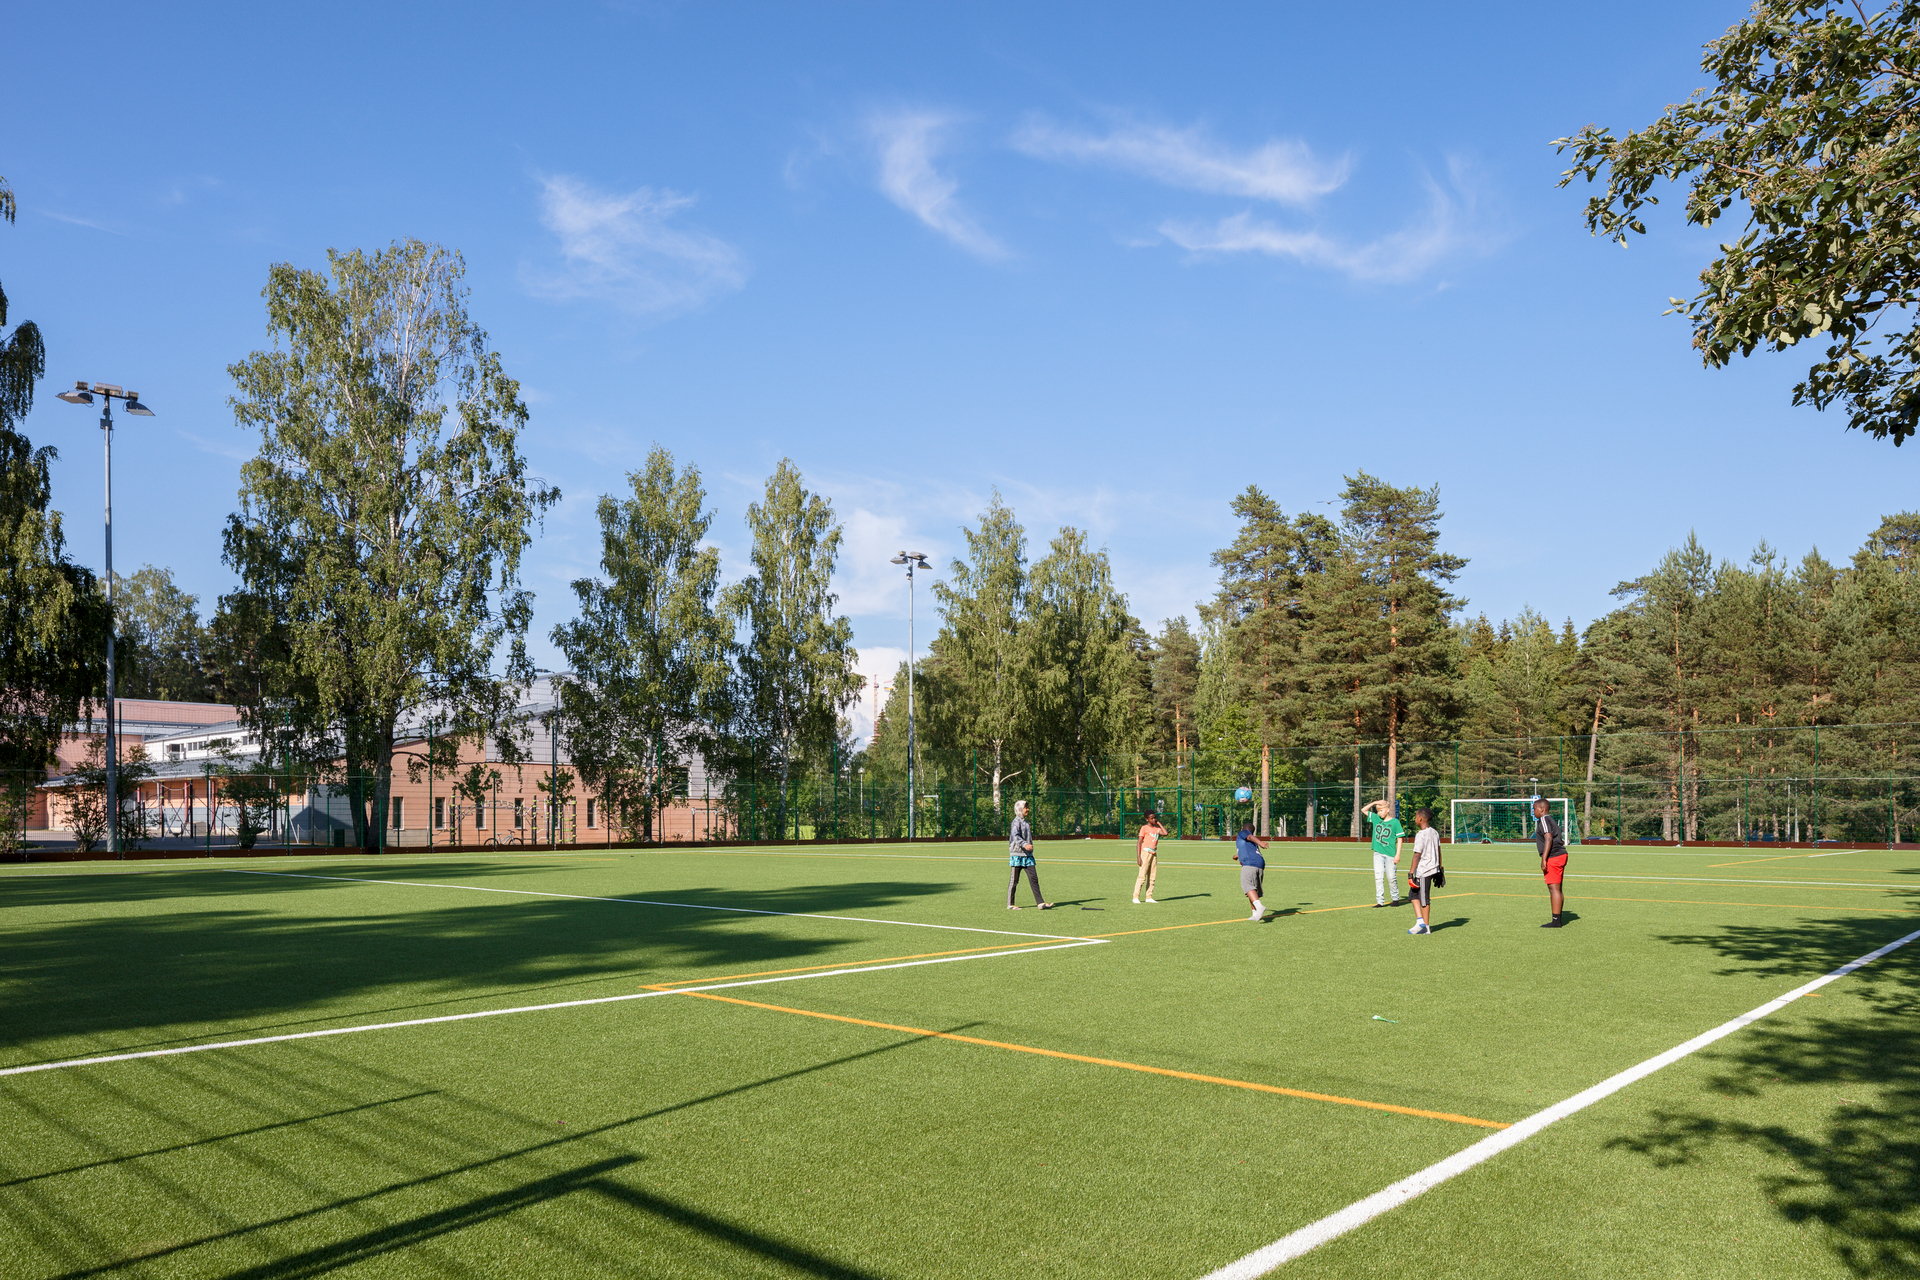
(1416, 928)
(1150, 898)
(1259, 905)
(1136, 901)
(1259, 914)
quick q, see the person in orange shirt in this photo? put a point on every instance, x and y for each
(1146, 852)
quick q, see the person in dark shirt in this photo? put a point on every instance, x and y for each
(1552, 842)
(1253, 866)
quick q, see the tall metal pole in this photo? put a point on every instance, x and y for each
(913, 806)
(113, 734)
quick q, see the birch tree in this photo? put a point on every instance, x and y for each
(382, 523)
(650, 652)
(796, 662)
(53, 619)
(983, 651)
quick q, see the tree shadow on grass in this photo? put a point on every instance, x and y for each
(522, 1177)
(1856, 1171)
(251, 965)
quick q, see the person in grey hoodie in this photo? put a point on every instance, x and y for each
(1020, 856)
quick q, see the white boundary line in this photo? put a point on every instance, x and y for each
(527, 1008)
(645, 902)
(1335, 1225)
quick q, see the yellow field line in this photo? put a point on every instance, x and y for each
(851, 964)
(1748, 862)
(1107, 1062)
(1695, 902)
(1163, 928)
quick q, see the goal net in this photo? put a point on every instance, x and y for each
(1504, 821)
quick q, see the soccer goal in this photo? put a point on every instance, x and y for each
(1504, 821)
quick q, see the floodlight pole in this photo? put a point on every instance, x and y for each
(82, 393)
(113, 735)
(911, 560)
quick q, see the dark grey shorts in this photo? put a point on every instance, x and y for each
(1250, 880)
(1423, 891)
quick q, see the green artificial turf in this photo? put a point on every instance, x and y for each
(677, 1135)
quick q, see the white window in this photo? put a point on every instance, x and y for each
(590, 812)
(440, 811)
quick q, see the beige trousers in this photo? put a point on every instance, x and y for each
(1149, 874)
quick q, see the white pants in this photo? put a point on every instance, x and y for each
(1386, 879)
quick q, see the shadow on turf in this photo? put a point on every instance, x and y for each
(1856, 1174)
(237, 964)
(590, 1178)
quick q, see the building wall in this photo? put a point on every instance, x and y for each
(514, 811)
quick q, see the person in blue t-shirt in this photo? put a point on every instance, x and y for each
(1252, 866)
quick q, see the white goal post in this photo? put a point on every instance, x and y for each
(1503, 820)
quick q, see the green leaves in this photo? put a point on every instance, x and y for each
(1812, 125)
(796, 661)
(381, 524)
(651, 655)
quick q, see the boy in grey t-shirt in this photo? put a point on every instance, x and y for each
(1426, 866)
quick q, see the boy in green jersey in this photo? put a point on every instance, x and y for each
(1387, 834)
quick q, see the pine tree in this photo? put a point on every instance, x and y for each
(1176, 681)
(1382, 651)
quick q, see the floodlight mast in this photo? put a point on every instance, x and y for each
(911, 559)
(82, 393)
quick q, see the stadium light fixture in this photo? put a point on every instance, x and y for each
(913, 560)
(82, 393)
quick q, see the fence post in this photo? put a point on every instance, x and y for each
(1619, 810)
(1816, 785)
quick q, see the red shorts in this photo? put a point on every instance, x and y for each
(1556, 869)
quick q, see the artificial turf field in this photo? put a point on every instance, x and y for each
(776, 1131)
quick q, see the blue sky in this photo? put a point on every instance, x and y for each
(1119, 261)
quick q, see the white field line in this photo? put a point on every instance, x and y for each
(527, 1008)
(1335, 1225)
(646, 902)
(1596, 875)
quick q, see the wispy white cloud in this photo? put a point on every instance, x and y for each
(1282, 170)
(1446, 228)
(629, 250)
(908, 143)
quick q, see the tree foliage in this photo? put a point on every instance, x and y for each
(650, 653)
(1811, 127)
(381, 525)
(796, 659)
(980, 670)
(53, 617)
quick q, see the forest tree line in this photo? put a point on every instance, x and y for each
(1337, 649)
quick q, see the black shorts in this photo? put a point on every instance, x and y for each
(1423, 890)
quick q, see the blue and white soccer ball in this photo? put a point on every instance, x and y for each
(1243, 795)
